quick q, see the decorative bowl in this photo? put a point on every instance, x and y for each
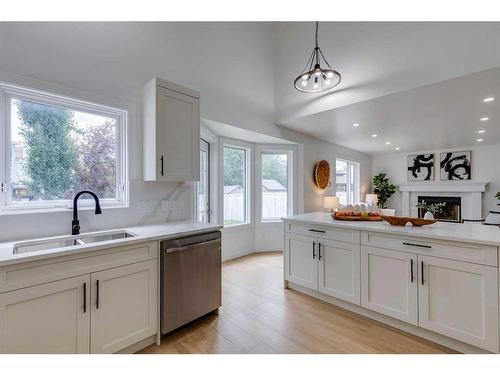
(401, 221)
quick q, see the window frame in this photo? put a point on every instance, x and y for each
(235, 144)
(274, 150)
(206, 146)
(356, 183)
(9, 92)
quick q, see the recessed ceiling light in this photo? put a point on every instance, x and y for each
(374, 135)
(355, 124)
(484, 119)
(489, 99)
(398, 148)
(479, 139)
(387, 143)
(481, 131)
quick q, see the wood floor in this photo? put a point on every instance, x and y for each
(260, 316)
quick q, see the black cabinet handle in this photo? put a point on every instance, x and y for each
(161, 171)
(319, 250)
(84, 297)
(417, 245)
(97, 294)
(411, 270)
(314, 250)
(422, 270)
(316, 231)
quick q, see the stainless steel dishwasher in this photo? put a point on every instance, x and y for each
(190, 279)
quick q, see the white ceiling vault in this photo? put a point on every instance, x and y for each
(412, 84)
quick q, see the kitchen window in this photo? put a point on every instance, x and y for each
(347, 181)
(203, 186)
(275, 185)
(236, 187)
(52, 147)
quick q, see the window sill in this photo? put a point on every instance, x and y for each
(31, 211)
(237, 226)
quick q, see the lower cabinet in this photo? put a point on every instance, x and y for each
(48, 318)
(339, 270)
(101, 312)
(124, 306)
(459, 300)
(330, 267)
(300, 261)
(389, 283)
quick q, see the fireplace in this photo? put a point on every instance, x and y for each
(451, 212)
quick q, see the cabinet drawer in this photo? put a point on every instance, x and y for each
(472, 253)
(39, 272)
(329, 233)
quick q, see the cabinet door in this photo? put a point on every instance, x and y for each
(177, 136)
(388, 284)
(124, 307)
(459, 300)
(301, 266)
(48, 318)
(339, 270)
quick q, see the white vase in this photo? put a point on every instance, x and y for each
(429, 216)
(387, 212)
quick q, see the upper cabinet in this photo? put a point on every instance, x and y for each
(171, 118)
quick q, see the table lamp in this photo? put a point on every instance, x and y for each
(371, 199)
(333, 203)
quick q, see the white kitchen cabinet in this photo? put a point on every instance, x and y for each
(459, 300)
(300, 261)
(48, 318)
(339, 268)
(171, 120)
(389, 283)
(124, 306)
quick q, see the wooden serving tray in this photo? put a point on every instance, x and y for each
(357, 218)
(401, 221)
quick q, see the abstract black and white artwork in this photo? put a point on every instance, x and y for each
(421, 167)
(455, 165)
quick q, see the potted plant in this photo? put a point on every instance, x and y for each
(497, 196)
(431, 209)
(384, 190)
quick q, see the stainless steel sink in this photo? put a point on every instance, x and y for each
(68, 241)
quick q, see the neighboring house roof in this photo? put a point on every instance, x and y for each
(272, 185)
(232, 189)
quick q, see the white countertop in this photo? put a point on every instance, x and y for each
(142, 234)
(469, 233)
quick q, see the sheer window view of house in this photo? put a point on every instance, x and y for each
(347, 181)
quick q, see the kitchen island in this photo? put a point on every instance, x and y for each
(439, 282)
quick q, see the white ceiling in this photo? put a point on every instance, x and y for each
(379, 59)
(441, 115)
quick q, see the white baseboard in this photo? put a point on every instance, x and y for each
(403, 326)
(237, 255)
(134, 348)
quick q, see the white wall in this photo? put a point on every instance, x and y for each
(485, 168)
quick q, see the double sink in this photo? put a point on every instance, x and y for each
(68, 241)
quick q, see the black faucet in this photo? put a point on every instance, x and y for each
(75, 224)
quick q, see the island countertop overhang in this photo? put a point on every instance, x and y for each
(464, 233)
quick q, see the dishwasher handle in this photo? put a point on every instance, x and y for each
(192, 246)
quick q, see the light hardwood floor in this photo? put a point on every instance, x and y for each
(260, 316)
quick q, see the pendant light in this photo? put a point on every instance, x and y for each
(314, 77)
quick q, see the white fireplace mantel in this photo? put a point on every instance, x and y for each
(469, 192)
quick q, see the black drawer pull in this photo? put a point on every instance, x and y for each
(84, 297)
(417, 245)
(411, 270)
(316, 231)
(161, 171)
(97, 294)
(422, 270)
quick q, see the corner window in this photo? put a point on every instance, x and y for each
(347, 181)
(55, 147)
(236, 197)
(276, 197)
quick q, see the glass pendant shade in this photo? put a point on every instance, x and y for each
(317, 75)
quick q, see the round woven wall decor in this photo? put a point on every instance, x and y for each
(322, 174)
